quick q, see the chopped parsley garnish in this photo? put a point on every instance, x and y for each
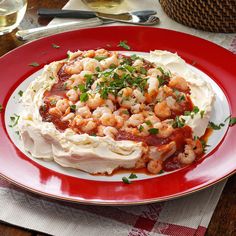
(148, 122)
(52, 78)
(1, 108)
(125, 112)
(73, 108)
(84, 97)
(143, 71)
(98, 69)
(17, 133)
(215, 126)
(140, 128)
(202, 113)
(34, 64)
(161, 171)
(178, 122)
(161, 80)
(14, 120)
(133, 176)
(81, 88)
(124, 45)
(134, 57)
(232, 121)
(126, 180)
(55, 46)
(195, 109)
(204, 145)
(153, 131)
(180, 98)
(20, 93)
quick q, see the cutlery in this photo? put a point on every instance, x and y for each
(34, 33)
(137, 17)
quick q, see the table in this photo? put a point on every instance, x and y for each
(223, 221)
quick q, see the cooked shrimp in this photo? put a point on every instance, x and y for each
(196, 146)
(89, 53)
(55, 112)
(73, 55)
(135, 120)
(153, 84)
(94, 101)
(72, 95)
(110, 131)
(62, 105)
(84, 112)
(164, 129)
(108, 119)
(106, 63)
(101, 52)
(138, 63)
(68, 117)
(78, 121)
(139, 96)
(124, 98)
(188, 156)
(100, 111)
(179, 82)
(123, 113)
(141, 162)
(90, 64)
(119, 121)
(154, 72)
(162, 110)
(154, 166)
(74, 67)
(88, 126)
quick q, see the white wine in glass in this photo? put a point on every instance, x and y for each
(100, 5)
(11, 14)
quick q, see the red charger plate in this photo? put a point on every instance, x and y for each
(213, 60)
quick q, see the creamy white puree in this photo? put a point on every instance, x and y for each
(99, 154)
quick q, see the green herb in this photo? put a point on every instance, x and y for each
(1, 108)
(112, 66)
(195, 109)
(34, 64)
(215, 126)
(202, 113)
(148, 122)
(14, 120)
(52, 78)
(104, 93)
(55, 46)
(161, 81)
(125, 112)
(143, 71)
(100, 58)
(126, 180)
(124, 45)
(98, 69)
(133, 176)
(180, 98)
(20, 93)
(153, 131)
(161, 172)
(93, 135)
(140, 128)
(84, 97)
(204, 145)
(82, 88)
(73, 108)
(131, 69)
(232, 121)
(17, 133)
(178, 122)
(134, 57)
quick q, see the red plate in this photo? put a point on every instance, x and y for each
(215, 61)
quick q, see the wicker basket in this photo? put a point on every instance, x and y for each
(209, 15)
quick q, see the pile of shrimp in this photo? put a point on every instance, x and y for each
(107, 93)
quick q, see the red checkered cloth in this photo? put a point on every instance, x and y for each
(189, 215)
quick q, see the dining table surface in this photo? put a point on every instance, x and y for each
(223, 221)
